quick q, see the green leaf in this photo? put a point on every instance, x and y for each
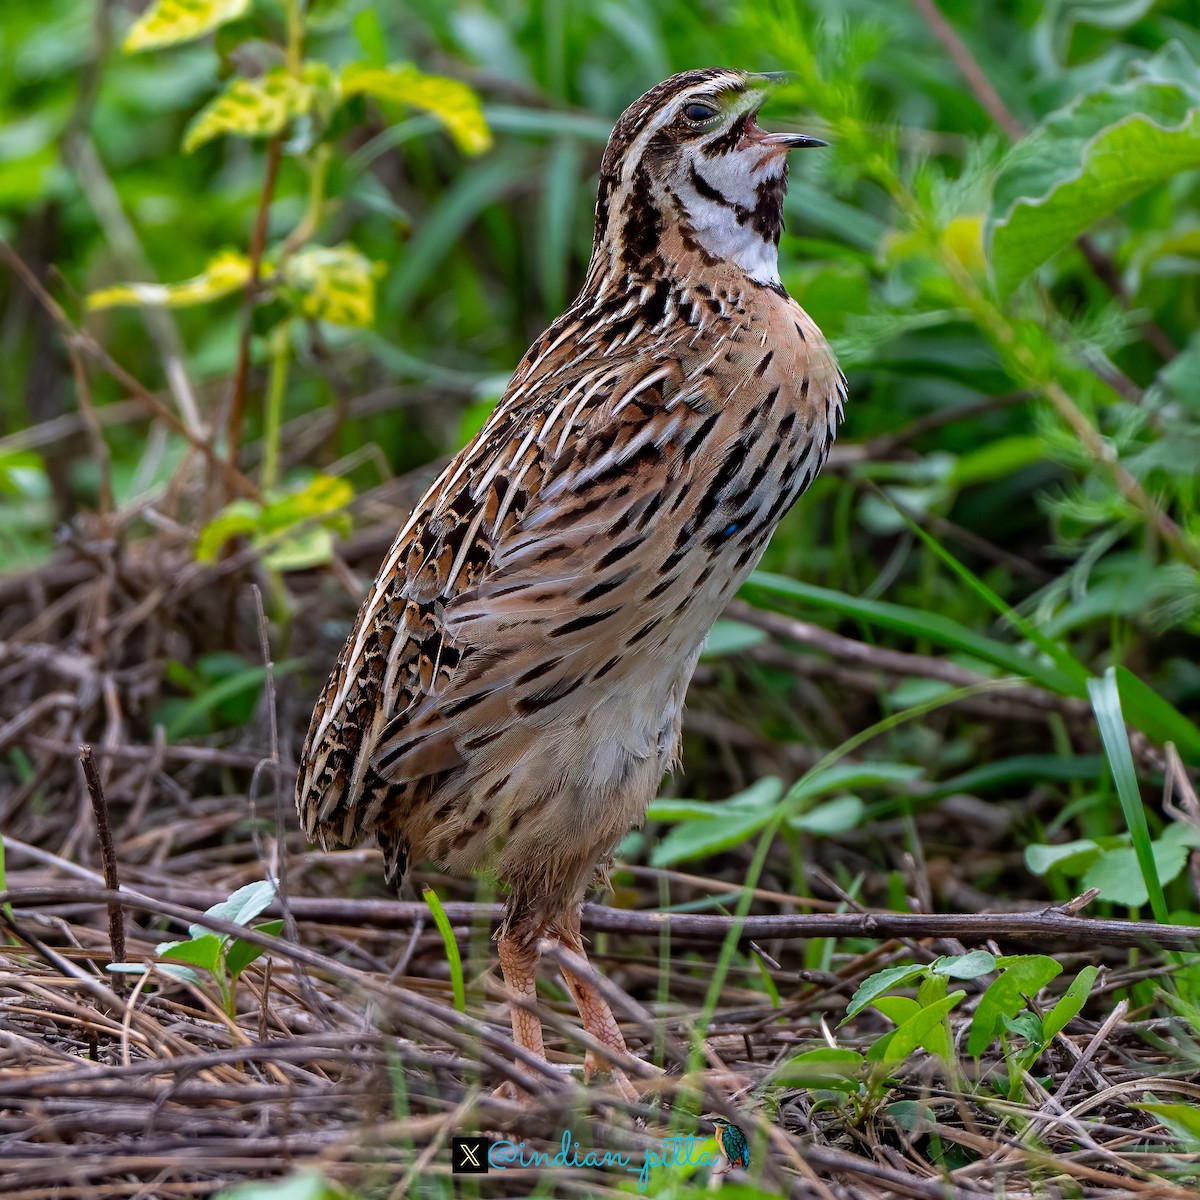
(1070, 857)
(333, 283)
(1022, 975)
(226, 272)
(242, 953)
(1082, 163)
(239, 518)
(310, 1185)
(167, 22)
(897, 1009)
(1183, 1120)
(1070, 1004)
(300, 551)
(262, 107)
(709, 828)
(829, 1068)
(875, 985)
(203, 951)
(1121, 878)
(848, 776)
(838, 816)
(245, 904)
(731, 637)
(452, 102)
(917, 1030)
(698, 839)
(1106, 702)
(965, 966)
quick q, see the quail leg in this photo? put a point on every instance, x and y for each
(518, 962)
(594, 1011)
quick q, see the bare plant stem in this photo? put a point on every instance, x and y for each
(108, 858)
(237, 403)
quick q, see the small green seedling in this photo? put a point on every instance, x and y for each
(222, 955)
(855, 1082)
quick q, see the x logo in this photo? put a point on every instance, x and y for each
(469, 1155)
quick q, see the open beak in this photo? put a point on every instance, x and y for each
(783, 141)
(791, 141)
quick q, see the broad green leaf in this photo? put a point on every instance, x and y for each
(203, 951)
(300, 550)
(242, 953)
(1121, 878)
(321, 496)
(837, 816)
(875, 985)
(919, 1028)
(1022, 975)
(333, 283)
(239, 518)
(1070, 1004)
(261, 107)
(965, 966)
(761, 796)
(167, 22)
(1183, 1120)
(731, 637)
(227, 272)
(897, 1009)
(310, 1185)
(1082, 163)
(452, 102)
(246, 903)
(174, 970)
(847, 776)
(829, 1068)
(698, 839)
(1071, 857)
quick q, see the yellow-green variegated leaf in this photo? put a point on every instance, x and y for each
(262, 107)
(226, 273)
(452, 102)
(333, 283)
(169, 21)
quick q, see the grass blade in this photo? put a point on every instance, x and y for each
(1106, 701)
(453, 958)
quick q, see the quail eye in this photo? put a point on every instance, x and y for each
(699, 112)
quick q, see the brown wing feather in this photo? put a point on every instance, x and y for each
(442, 629)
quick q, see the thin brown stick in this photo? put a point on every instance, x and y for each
(108, 858)
(258, 240)
(1049, 925)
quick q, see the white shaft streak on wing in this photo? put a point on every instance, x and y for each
(600, 379)
(663, 373)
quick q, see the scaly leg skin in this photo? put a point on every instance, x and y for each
(594, 1011)
(518, 963)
